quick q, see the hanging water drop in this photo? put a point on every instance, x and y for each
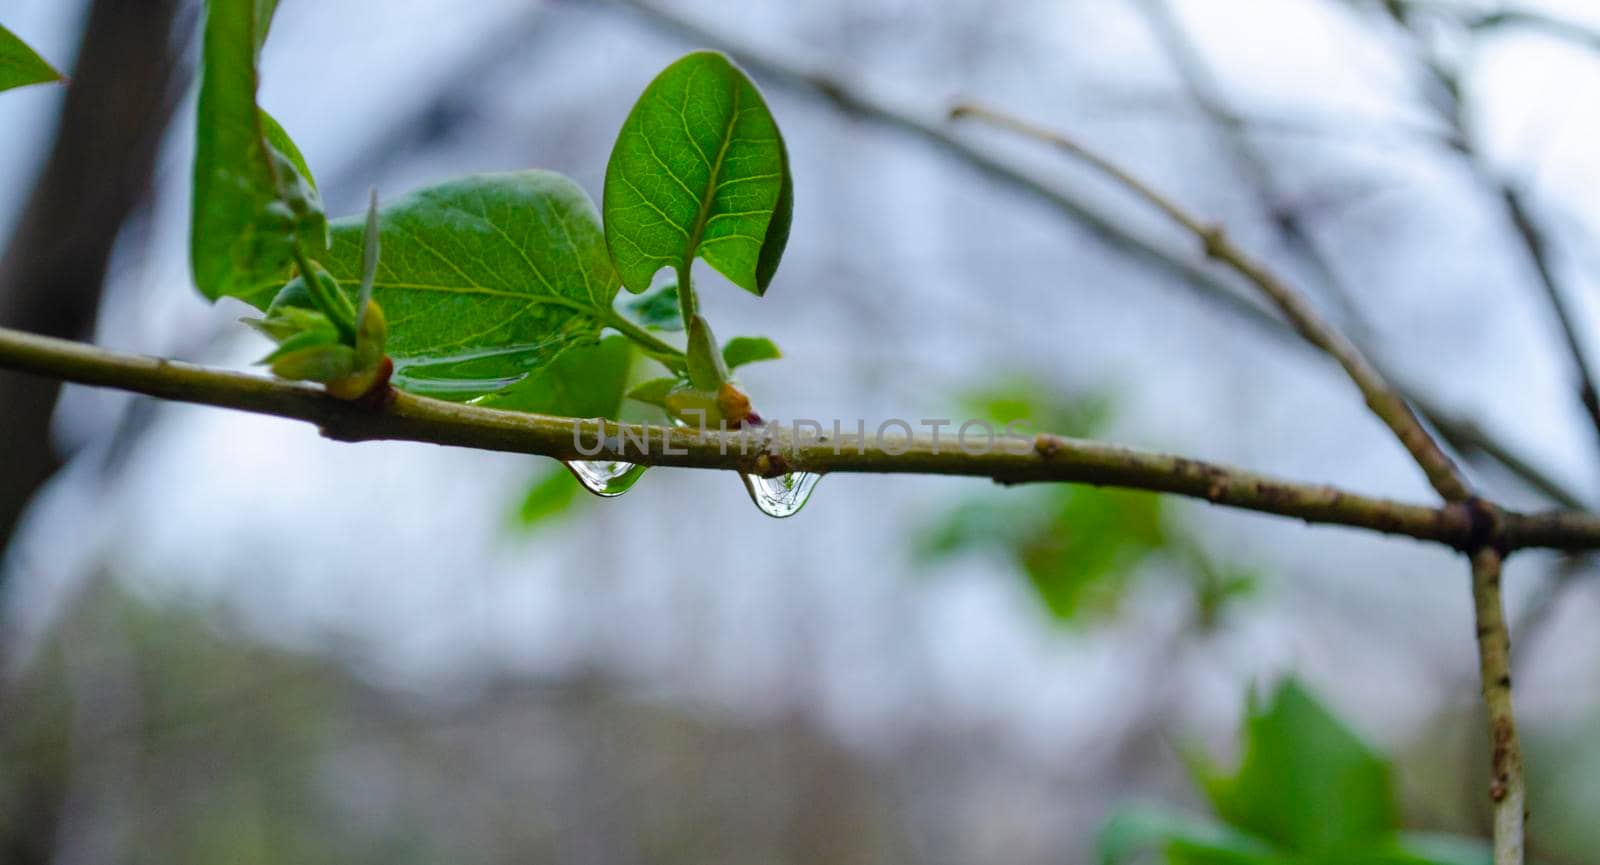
(782, 496)
(606, 478)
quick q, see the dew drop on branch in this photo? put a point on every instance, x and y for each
(606, 478)
(782, 496)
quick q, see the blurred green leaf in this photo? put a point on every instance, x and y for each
(658, 309)
(749, 349)
(699, 168)
(585, 381)
(252, 203)
(20, 65)
(1306, 783)
(1308, 792)
(1077, 545)
(1184, 838)
(1041, 407)
(484, 279)
(550, 495)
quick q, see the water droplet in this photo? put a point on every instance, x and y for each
(782, 496)
(606, 478)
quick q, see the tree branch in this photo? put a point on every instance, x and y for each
(1046, 458)
(1100, 222)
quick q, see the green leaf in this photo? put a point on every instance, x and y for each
(21, 65)
(1184, 838)
(658, 309)
(252, 203)
(1306, 781)
(280, 141)
(1077, 546)
(550, 495)
(653, 392)
(483, 279)
(584, 381)
(749, 349)
(699, 168)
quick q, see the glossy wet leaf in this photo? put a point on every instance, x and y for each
(484, 279)
(1306, 783)
(658, 309)
(749, 349)
(699, 168)
(20, 65)
(585, 381)
(252, 203)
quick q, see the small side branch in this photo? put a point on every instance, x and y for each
(1507, 792)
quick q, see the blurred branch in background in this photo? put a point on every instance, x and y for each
(1460, 432)
(1207, 93)
(124, 86)
(1526, 228)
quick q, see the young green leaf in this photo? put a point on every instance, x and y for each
(699, 168)
(658, 309)
(484, 279)
(21, 65)
(371, 244)
(707, 370)
(252, 203)
(584, 381)
(279, 138)
(749, 349)
(654, 392)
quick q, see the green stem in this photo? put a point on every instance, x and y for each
(663, 350)
(688, 304)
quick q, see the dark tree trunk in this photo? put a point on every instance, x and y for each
(125, 83)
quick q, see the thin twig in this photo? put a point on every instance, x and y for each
(1533, 238)
(1388, 405)
(1204, 89)
(1101, 223)
(1045, 458)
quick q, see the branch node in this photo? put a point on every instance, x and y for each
(1214, 239)
(1485, 527)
